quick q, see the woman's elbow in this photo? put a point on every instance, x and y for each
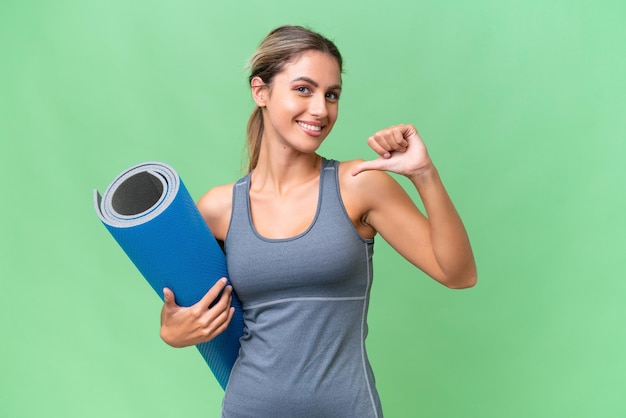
(462, 281)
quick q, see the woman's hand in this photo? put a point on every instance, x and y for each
(400, 150)
(185, 326)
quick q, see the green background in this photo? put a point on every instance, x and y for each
(522, 104)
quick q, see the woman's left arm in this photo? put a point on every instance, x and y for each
(436, 243)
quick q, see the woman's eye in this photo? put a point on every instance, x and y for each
(303, 90)
(332, 96)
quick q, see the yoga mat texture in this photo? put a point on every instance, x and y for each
(151, 215)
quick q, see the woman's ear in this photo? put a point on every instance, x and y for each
(259, 91)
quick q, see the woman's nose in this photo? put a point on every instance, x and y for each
(318, 105)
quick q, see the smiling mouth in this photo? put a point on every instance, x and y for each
(315, 128)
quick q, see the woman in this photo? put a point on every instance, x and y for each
(298, 233)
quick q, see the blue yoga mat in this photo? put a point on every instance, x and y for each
(153, 218)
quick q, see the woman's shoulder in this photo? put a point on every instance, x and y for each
(362, 193)
(215, 207)
(217, 195)
(370, 188)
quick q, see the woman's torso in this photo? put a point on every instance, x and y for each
(305, 301)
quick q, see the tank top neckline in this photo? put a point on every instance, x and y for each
(325, 163)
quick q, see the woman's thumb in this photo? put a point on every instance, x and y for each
(368, 165)
(168, 297)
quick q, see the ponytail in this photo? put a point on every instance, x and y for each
(254, 135)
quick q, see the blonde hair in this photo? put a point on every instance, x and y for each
(281, 46)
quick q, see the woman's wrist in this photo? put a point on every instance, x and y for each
(424, 174)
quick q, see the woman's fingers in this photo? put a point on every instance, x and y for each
(224, 325)
(388, 140)
(219, 323)
(221, 305)
(210, 296)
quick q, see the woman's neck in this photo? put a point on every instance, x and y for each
(279, 172)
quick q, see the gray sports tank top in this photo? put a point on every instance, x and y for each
(305, 302)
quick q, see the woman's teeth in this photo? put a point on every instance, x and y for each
(310, 127)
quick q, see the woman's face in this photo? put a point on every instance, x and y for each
(302, 102)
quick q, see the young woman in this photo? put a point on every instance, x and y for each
(298, 234)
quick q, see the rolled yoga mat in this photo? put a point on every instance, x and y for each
(153, 218)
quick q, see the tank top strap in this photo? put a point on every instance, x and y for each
(330, 198)
(329, 169)
(240, 202)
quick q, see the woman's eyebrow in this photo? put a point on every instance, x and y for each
(314, 83)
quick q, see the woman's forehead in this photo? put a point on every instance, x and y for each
(318, 66)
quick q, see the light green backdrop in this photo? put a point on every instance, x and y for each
(522, 104)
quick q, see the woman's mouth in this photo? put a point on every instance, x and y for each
(309, 127)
